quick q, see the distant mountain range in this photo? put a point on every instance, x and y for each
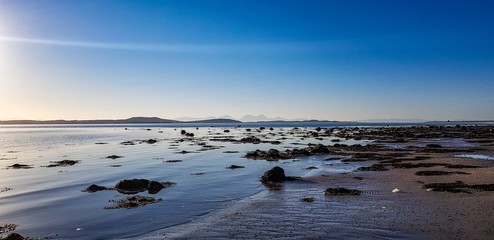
(246, 118)
(221, 119)
(119, 121)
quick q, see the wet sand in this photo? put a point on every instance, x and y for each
(412, 213)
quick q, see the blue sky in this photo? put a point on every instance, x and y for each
(335, 60)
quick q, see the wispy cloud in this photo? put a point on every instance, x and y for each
(284, 47)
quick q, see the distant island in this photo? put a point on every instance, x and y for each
(118, 121)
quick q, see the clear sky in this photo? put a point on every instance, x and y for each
(335, 60)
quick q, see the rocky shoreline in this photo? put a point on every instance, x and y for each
(413, 189)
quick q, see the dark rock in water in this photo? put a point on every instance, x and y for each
(234, 167)
(20, 166)
(132, 186)
(133, 202)
(189, 134)
(15, 236)
(276, 174)
(154, 187)
(183, 132)
(311, 168)
(341, 192)
(151, 141)
(63, 163)
(226, 131)
(128, 143)
(95, 188)
(173, 161)
(308, 199)
(114, 157)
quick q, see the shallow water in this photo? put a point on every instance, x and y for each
(476, 156)
(48, 202)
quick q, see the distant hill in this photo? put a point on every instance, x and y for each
(260, 118)
(116, 121)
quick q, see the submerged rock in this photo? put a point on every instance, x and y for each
(114, 157)
(133, 202)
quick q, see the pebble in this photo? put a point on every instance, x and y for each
(396, 190)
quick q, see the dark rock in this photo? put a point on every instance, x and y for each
(189, 134)
(151, 141)
(311, 168)
(234, 167)
(308, 199)
(341, 192)
(276, 174)
(173, 161)
(183, 132)
(95, 188)
(63, 163)
(132, 186)
(20, 166)
(15, 236)
(154, 187)
(114, 157)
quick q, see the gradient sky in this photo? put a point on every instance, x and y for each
(335, 60)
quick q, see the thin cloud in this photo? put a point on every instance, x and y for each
(287, 47)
